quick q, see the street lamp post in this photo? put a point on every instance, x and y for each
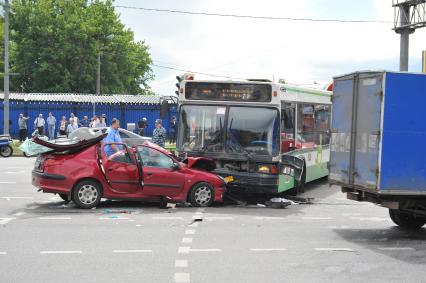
(6, 68)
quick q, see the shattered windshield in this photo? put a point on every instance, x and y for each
(201, 128)
(253, 130)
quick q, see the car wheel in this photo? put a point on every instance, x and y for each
(201, 195)
(64, 197)
(6, 151)
(87, 194)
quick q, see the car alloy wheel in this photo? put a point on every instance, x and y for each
(202, 195)
(87, 194)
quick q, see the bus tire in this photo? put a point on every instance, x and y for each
(406, 220)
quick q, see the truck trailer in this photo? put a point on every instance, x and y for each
(378, 142)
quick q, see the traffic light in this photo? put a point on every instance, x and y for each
(179, 79)
(184, 77)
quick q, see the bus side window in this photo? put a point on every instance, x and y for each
(287, 127)
(313, 123)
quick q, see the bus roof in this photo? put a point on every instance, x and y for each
(285, 92)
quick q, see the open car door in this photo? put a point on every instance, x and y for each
(121, 169)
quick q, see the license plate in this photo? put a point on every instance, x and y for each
(229, 179)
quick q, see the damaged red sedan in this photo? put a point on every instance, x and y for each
(81, 172)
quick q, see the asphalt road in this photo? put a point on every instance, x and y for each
(333, 240)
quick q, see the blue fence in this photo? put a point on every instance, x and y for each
(126, 113)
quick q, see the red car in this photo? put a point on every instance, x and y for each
(83, 173)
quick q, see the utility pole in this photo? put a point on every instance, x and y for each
(98, 75)
(6, 68)
(409, 15)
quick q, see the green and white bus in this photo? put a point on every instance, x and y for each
(264, 137)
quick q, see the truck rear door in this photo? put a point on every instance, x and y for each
(341, 129)
(367, 127)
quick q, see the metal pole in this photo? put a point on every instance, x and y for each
(6, 68)
(405, 38)
(98, 76)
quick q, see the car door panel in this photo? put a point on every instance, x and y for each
(122, 172)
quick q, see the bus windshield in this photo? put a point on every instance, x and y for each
(253, 130)
(249, 130)
(201, 128)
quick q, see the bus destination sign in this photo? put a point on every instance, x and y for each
(228, 91)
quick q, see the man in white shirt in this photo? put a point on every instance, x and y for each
(75, 119)
(39, 124)
(95, 122)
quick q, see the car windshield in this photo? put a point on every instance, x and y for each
(253, 130)
(250, 130)
(201, 128)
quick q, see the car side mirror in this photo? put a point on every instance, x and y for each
(175, 166)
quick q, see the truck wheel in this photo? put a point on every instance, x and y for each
(201, 195)
(406, 220)
(87, 194)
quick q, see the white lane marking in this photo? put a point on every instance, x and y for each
(338, 227)
(268, 250)
(351, 214)
(268, 218)
(187, 250)
(181, 263)
(55, 218)
(187, 240)
(14, 172)
(189, 232)
(113, 218)
(167, 218)
(199, 217)
(374, 219)
(55, 198)
(317, 218)
(61, 252)
(9, 198)
(131, 251)
(8, 183)
(4, 221)
(182, 277)
(397, 249)
(15, 167)
(212, 218)
(3, 253)
(19, 213)
(184, 250)
(334, 250)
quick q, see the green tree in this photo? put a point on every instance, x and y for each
(56, 44)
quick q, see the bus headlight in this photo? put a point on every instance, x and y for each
(267, 169)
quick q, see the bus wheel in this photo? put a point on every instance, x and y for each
(406, 220)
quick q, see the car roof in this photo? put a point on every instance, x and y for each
(157, 147)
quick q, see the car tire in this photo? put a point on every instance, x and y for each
(201, 195)
(406, 220)
(87, 194)
(6, 151)
(64, 197)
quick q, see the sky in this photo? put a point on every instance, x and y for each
(298, 52)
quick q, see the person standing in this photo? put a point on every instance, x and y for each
(95, 123)
(23, 127)
(75, 119)
(51, 125)
(103, 122)
(113, 137)
(159, 134)
(71, 127)
(142, 124)
(39, 124)
(85, 122)
(172, 129)
(63, 126)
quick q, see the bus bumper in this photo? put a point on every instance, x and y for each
(250, 182)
